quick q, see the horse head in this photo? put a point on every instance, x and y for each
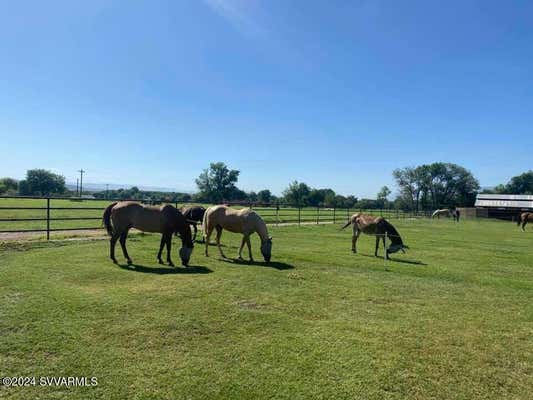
(266, 248)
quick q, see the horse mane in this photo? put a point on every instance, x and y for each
(392, 233)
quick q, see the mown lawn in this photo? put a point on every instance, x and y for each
(452, 319)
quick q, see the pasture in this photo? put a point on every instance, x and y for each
(451, 319)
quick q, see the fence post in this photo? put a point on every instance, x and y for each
(299, 217)
(48, 218)
(333, 215)
(277, 214)
(317, 213)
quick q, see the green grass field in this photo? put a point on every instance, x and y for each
(65, 208)
(452, 319)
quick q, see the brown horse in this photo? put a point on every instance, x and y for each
(378, 227)
(524, 218)
(120, 217)
(194, 215)
(245, 221)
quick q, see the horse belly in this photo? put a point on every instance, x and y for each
(148, 221)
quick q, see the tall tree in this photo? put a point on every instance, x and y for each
(521, 184)
(8, 185)
(436, 185)
(217, 183)
(264, 196)
(42, 182)
(297, 193)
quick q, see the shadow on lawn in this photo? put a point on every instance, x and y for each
(272, 264)
(398, 260)
(198, 269)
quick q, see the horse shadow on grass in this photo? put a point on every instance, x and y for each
(280, 266)
(395, 260)
(193, 269)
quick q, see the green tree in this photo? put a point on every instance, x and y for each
(297, 194)
(8, 185)
(264, 196)
(42, 182)
(217, 183)
(521, 184)
(436, 185)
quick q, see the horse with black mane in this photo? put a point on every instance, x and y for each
(195, 216)
(524, 218)
(378, 227)
(120, 217)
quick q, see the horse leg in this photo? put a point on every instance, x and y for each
(112, 243)
(355, 236)
(207, 238)
(354, 239)
(242, 246)
(161, 246)
(169, 246)
(123, 237)
(219, 234)
(195, 232)
(249, 248)
(377, 246)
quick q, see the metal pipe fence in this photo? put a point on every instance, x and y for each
(55, 214)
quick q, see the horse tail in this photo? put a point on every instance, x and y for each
(519, 220)
(347, 223)
(106, 219)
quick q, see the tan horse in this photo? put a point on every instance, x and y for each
(524, 218)
(120, 217)
(378, 227)
(245, 221)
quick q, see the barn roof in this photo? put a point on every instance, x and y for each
(518, 201)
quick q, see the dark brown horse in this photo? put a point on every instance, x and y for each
(524, 218)
(378, 227)
(120, 217)
(195, 216)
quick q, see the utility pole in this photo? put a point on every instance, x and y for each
(107, 191)
(81, 171)
(77, 186)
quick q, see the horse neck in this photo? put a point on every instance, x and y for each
(261, 229)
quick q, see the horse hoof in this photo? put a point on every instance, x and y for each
(114, 260)
(129, 262)
(160, 262)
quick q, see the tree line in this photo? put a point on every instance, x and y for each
(424, 187)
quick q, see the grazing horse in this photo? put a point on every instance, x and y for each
(376, 226)
(524, 218)
(445, 212)
(120, 217)
(194, 215)
(245, 221)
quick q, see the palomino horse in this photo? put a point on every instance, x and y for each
(194, 215)
(445, 212)
(378, 227)
(245, 221)
(524, 218)
(120, 217)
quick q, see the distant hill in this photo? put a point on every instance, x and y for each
(95, 187)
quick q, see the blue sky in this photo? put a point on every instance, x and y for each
(333, 93)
